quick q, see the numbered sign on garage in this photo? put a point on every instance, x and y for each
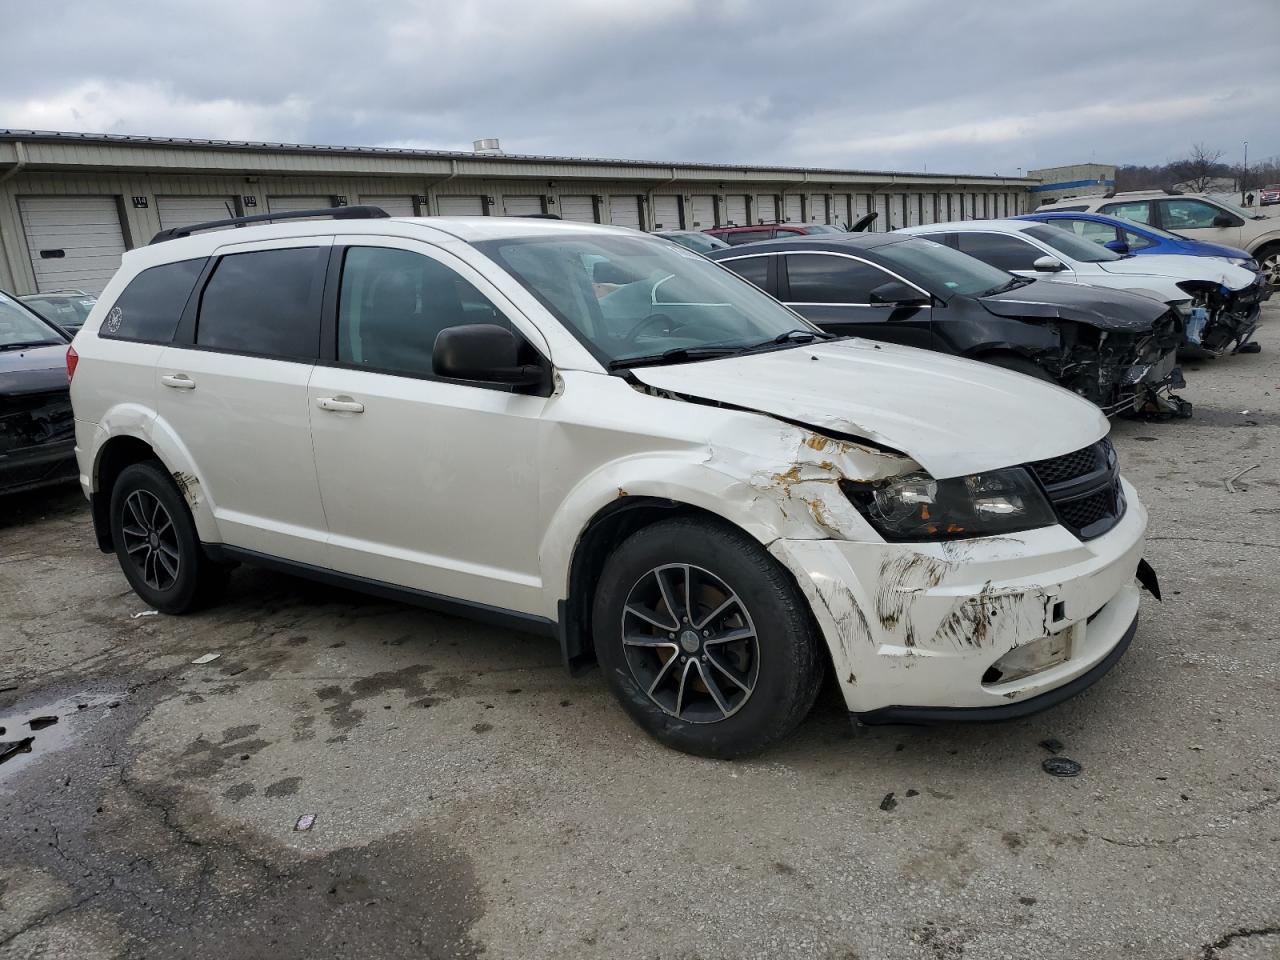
(75, 242)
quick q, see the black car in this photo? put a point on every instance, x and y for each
(1117, 349)
(37, 430)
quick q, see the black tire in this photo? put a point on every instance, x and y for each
(1017, 364)
(1269, 260)
(174, 575)
(784, 656)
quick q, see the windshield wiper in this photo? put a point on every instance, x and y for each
(798, 332)
(1012, 284)
(28, 344)
(676, 355)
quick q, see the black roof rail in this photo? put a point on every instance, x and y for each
(332, 213)
(540, 216)
(1172, 192)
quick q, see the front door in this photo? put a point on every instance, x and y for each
(833, 290)
(426, 483)
(233, 391)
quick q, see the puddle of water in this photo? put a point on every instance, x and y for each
(28, 733)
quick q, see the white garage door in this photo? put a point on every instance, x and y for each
(883, 208)
(461, 206)
(75, 242)
(285, 204)
(666, 213)
(704, 212)
(930, 212)
(913, 210)
(581, 209)
(521, 206)
(394, 206)
(818, 208)
(625, 211)
(861, 206)
(791, 208)
(735, 209)
(954, 211)
(766, 208)
(184, 211)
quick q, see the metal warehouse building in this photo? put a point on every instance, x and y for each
(71, 204)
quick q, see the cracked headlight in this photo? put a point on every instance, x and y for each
(917, 507)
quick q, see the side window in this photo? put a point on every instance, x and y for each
(819, 278)
(999, 250)
(393, 303)
(265, 303)
(1088, 229)
(1136, 241)
(1187, 214)
(754, 269)
(1139, 211)
(152, 303)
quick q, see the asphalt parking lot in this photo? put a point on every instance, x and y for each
(470, 799)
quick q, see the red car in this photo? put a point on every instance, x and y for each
(1269, 195)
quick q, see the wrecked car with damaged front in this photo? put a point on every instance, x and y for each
(1117, 349)
(606, 438)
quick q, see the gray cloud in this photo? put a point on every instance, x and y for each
(910, 84)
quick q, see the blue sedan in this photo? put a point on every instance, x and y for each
(1126, 236)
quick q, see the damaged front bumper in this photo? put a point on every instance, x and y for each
(1147, 388)
(986, 624)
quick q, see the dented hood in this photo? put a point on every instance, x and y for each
(951, 416)
(1112, 310)
(1174, 266)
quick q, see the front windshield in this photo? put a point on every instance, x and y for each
(1238, 211)
(1085, 251)
(19, 327)
(942, 269)
(632, 297)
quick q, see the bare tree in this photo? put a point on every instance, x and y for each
(1200, 169)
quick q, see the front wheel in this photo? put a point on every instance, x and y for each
(1269, 263)
(705, 639)
(157, 544)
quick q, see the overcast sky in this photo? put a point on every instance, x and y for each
(942, 85)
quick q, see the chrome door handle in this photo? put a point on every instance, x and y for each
(342, 404)
(179, 381)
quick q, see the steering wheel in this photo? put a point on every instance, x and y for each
(652, 319)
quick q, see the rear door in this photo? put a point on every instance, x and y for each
(427, 483)
(232, 389)
(834, 291)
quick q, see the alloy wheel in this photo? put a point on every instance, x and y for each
(1271, 269)
(690, 643)
(151, 540)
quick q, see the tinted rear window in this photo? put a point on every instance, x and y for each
(152, 303)
(265, 303)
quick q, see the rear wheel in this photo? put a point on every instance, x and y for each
(157, 544)
(704, 639)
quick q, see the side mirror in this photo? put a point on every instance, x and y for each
(483, 352)
(1224, 220)
(898, 294)
(1116, 246)
(1047, 265)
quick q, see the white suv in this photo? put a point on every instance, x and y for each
(602, 436)
(1196, 216)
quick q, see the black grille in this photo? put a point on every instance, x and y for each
(1070, 466)
(1084, 489)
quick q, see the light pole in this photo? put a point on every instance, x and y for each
(1244, 172)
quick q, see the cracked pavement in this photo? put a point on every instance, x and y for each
(473, 800)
